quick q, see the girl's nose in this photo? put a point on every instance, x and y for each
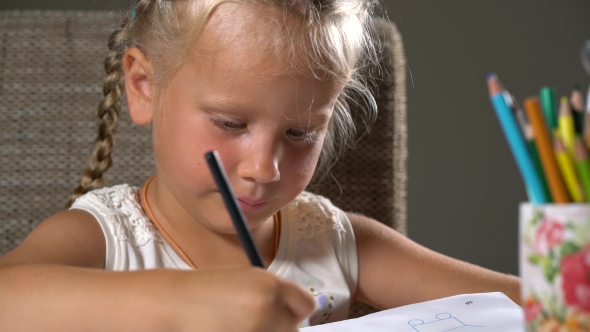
(261, 164)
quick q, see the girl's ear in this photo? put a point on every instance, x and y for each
(138, 86)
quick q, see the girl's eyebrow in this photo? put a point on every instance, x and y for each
(222, 104)
(230, 107)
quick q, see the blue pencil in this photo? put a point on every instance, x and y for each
(516, 141)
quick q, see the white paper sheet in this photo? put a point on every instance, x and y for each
(483, 312)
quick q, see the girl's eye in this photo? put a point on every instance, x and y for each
(299, 135)
(228, 125)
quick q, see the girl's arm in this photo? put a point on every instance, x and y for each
(62, 298)
(395, 271)
(71, 237)
(54, 282)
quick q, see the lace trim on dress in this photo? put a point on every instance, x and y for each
(313, 215)
(119, 206)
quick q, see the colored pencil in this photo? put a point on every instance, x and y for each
(547, 97)
(515, 140)
(522, 122)
(232, 207)
(577, 106)
(566, 125)
(559, 193)
(583, 166)
(538, 166)
(566, 165)
(529, 137)
(521, 117)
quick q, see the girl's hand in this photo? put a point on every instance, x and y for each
(236, 299)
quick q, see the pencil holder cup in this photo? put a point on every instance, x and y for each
(555, 266)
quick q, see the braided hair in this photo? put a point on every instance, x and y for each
(108, 113)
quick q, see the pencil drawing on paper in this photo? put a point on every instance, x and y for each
(444, 322)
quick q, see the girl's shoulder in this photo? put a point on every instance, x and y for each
(314, 214)
(116, 201)
(119, 196)
(118, 210)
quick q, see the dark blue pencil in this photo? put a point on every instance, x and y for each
(232, 207)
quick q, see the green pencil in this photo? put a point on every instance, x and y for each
(547, 97)
(583, 166)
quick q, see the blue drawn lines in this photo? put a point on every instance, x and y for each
(444, 322)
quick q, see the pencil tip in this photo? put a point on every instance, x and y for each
(494, 85)
(491, 75)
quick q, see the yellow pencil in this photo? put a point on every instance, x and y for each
(568, 170)
(566, 125)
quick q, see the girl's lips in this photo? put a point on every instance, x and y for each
(251, 207)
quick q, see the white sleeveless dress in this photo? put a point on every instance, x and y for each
(317, 248)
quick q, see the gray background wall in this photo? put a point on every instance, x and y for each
(464, 187)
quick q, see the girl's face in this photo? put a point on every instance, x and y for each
(267, 121)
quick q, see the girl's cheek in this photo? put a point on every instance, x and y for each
(303, 165)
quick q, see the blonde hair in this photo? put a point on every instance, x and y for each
(335, 36)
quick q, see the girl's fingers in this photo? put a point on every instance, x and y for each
(298, 302)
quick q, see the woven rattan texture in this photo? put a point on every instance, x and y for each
(363, 179)
(51, 74)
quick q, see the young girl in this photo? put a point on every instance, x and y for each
(265, 83)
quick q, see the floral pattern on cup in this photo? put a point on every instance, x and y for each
(549, 235)
(575, 273)
(557, 246)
